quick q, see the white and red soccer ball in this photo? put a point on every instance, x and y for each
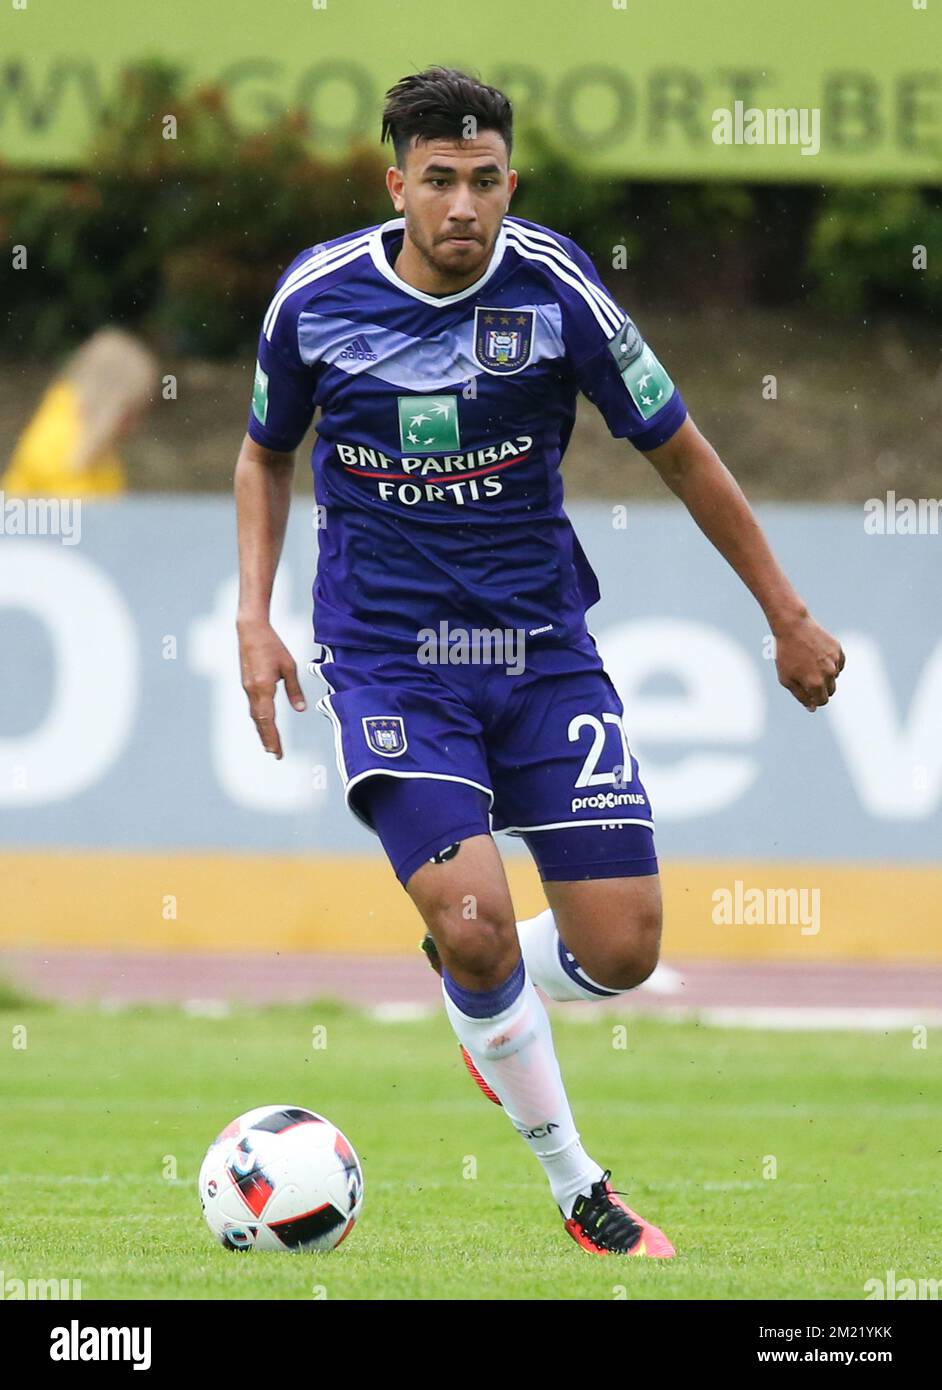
(281, 1178)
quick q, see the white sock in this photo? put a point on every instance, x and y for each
(540, 946)
(513, 1050)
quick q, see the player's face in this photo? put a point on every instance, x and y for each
(453, 195)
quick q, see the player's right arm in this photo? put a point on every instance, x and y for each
(282, 410)
(263, 480)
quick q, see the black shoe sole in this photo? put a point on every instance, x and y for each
(431, 951)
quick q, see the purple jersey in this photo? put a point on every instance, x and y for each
(443, 423)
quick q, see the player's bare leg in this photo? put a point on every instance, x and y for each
(598, 938)
(499, 1019)
(481, 860)
(503, 1026)
(465, 903)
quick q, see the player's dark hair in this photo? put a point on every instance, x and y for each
(436, 104)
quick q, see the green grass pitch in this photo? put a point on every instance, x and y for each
(106, 1118)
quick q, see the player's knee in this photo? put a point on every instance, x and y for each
(632, 954)
(482, 946)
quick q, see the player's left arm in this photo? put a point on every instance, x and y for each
(808, 658)
(616, 368)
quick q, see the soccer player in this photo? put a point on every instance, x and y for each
(445, 349)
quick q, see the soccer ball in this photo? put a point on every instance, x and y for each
(281, 1178)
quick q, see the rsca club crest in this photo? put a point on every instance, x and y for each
(386, 735)
(503, 339)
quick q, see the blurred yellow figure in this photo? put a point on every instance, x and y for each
(100, 396)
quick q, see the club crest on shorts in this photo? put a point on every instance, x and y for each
(386, 734)
(503, 338)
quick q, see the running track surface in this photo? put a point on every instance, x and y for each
(769, 993)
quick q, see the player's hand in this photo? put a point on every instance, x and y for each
(809, 661)
(265, 660)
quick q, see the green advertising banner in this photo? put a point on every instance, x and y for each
(813, 90)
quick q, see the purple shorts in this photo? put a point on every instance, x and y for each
(432, 754)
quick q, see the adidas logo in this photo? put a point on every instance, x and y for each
(359, 350)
